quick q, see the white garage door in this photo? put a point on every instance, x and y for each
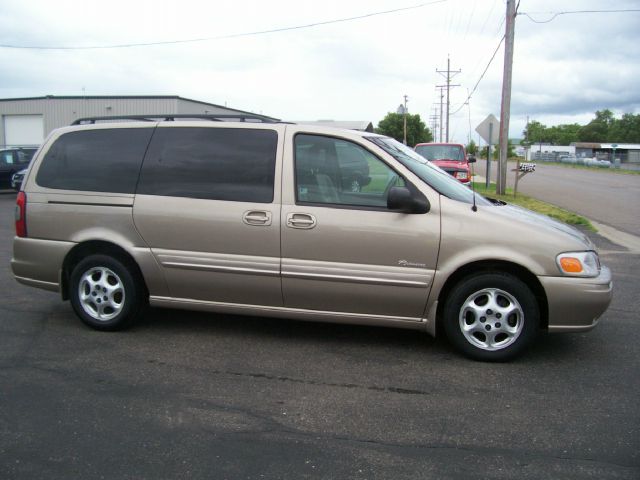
(23, 130)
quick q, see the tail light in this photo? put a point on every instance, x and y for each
(21, 215)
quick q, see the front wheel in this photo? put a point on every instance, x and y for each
(491, 316)
(106, 293)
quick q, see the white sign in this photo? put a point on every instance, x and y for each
(483, 129)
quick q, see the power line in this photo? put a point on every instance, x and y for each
(481, 76)
(554, 15)
(222, 37)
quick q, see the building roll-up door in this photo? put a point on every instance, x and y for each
(23, 130)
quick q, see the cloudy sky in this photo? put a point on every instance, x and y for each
(359, 69)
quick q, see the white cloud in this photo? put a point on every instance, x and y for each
(563, 70)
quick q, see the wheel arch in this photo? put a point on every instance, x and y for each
(92, 247)
(486, 266)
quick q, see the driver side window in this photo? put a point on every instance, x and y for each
(334, 171)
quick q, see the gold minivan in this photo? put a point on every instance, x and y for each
(262, 219)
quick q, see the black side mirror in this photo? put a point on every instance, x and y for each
(471, 159)
(401, 199)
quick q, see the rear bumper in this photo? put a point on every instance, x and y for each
(38, 263)
(576, 304)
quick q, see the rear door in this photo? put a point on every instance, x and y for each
(343, 250)
(207, 204)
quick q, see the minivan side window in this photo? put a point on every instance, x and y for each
(342, 173)
(234, 164)
(104, 160)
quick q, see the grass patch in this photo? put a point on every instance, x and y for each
(534, 205)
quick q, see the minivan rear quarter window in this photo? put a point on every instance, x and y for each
(235, 164)
(104, 160)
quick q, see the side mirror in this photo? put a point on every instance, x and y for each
(401, 199)
(471, 159)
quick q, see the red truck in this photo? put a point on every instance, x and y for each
(451, 157)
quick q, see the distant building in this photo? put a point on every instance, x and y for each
(361, 125)
(27, 121)
(561, 149)
(626, 152)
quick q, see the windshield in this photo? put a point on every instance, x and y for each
(431, 174)
(441, 152)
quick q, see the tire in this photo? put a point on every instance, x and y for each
(106, 293)
(491, 316)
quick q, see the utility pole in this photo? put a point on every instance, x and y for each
(449, 75)
(434, 122)
(505, 110)
(469, 108)
(405, 118)
(441, 88)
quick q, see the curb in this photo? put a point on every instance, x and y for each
(626, 240)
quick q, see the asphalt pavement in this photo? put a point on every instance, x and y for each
(192, 395)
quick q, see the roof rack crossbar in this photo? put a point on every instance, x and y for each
(242, 117)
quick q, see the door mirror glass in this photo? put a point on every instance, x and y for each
(471, 159)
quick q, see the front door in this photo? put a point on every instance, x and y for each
(342, 249)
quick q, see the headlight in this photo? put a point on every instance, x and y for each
(461, 175)
(579, 264)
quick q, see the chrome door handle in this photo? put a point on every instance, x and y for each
(257, 217)
(301, 220)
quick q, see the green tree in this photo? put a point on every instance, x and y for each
(392, 125)
(472, 148)
(536, 132)
(563, 134)
(625, 129)
(495, 151)
(597, 130)
(511, 150)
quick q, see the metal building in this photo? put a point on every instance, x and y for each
(362, 125)
(27, 121)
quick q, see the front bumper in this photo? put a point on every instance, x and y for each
(575, 304)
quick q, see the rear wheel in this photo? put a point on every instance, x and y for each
(491, 316)
(106, 293)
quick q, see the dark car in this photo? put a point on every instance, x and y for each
(13, 160)
(17, 178)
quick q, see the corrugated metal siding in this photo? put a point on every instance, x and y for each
(62, 112)
(186, 106)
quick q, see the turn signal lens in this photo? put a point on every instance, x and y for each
(579, 264)
(570, 265)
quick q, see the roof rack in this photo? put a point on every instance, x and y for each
(241, 117)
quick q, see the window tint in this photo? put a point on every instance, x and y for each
(339, 172)
(95, 160)
(25, 156)
(234, 164)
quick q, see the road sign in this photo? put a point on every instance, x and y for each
(488, 127)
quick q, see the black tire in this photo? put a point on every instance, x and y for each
(491, 334)
(111, 289)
